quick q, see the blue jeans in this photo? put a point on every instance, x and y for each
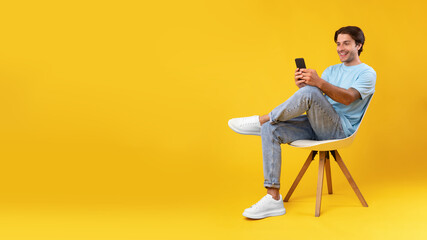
(287, 124)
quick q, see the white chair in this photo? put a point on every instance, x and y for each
(324, 147)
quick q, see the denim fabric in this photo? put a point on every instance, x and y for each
(287, 124)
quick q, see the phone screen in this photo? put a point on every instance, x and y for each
(300, 62)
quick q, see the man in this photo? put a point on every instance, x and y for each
(334, 105)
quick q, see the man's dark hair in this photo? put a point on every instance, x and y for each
(355, 32)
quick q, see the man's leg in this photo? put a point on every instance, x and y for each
(272, 136)
(322, 116)
(285, 124)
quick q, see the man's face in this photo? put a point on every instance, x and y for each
(347, 49)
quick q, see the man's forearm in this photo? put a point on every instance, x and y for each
(341, 95)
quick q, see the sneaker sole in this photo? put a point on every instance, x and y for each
(257, 133)
(266, 214)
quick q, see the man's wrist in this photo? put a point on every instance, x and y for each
(321, 84)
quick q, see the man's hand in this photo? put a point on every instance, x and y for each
(298, 81)
(310, 77)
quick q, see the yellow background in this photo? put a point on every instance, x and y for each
(114, 119)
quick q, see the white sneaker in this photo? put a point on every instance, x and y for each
(266, 207)
(246, 125)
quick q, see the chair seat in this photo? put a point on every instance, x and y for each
(325, 145)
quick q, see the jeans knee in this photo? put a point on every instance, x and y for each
(310, 92)
(267, 129)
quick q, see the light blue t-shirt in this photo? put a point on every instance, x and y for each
(360, 77)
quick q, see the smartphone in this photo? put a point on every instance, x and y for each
(300, 63)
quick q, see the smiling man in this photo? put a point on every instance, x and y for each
(334, 105)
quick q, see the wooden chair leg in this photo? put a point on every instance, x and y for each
(300, 174)
(350, 179)
(328, 172)
(322, 157)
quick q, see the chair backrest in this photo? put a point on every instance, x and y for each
(327, 145)
(363, 116)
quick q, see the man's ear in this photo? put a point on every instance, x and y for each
(359, 46)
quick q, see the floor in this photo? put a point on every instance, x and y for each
(395, 211)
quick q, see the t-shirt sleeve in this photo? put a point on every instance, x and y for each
(365, 83)
(325, 74)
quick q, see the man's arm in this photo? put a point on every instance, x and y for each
(341, 95)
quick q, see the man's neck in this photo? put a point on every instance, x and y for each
(353, 63)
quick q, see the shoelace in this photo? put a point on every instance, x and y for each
(259, 203)
(246, 122)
